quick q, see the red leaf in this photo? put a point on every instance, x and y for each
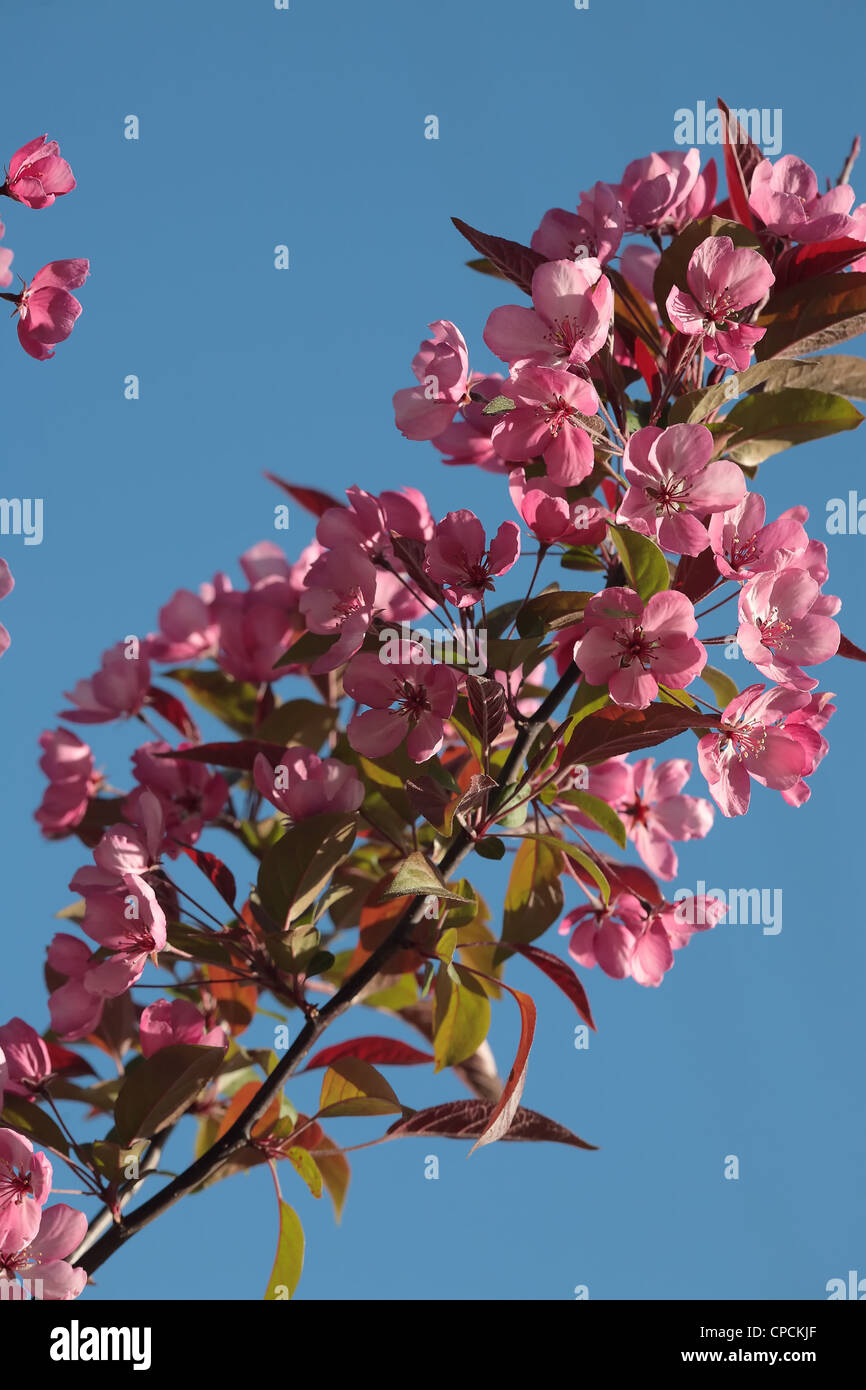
(562, 975)
(635, 879)
(815, 258)
(502, 1115)
(646, 365)
(240, 755)
(847, 648)
(742, 158)
(696, 575)
(173, 710)
(615, 730)
(308, 497)
(466, 1119)
(376, 1051)
(517, 263)
(487, 702)
(68, 1063)
(214, 869)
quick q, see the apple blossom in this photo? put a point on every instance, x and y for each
(28, 1061)
(546, 420)
(632, 647)
(748, 744)
(303, 784)
(25, 1184)
(744, 546)
(551, 517)
(170, 1021)
(442, 368)
(424, 695)
(781, 629)
(785, 197)
(573, 307)
(68, 764)
(458, 558)
(46, 310)
(118, 690)
(37, 175)
(672, 483)
(723, 280)
(40, 1262)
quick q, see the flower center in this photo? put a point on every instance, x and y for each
(412, 701)
(743, 553)
(744, 740)
(559, 413)
(636, 647)
(774, 630)
(670, 496)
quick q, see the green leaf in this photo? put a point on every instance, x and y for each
(643, 562)
(843, 376)
(352, 1087)
(303, 1163)
(534, 898)
(289, 1261)
(27, 1119)
(298, 721)
(579, 857)
(491, 847)
(581, 557)
(295, 870)
(498, 406)
(160, 1088)
(232, 702)
(461, 1017)
(768, 423)
(551, 610)
(598, 812)
(587, 699)
(723, 688)
(197, 943)
(416, 876)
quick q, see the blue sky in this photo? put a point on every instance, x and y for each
(305, 127)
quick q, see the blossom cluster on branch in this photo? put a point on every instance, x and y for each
(631, 408)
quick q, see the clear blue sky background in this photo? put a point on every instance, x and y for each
(306, 127)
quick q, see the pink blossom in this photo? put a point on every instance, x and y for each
(303, 784)
(362, 524)
(68, 764)
(744, 546)
(46, 310)
(339, 599)
(805, 726)
(781, 629)
(118, 690)
(605, 936)
(135, 847)
(655, 812)
(25, 1185)
(467, 439)
(632, 647)
(595, 230)
(441, 366)
(785, 197)
(457, 556)
(655, 190)
(28, 1061)
(37, 175)
(639, 264)
(256, 626)
(544, 422)
(748, 744)
(7, 584)
(407, 513)
(690, 913)
(6, 258)
(673, 483)
(167, 1022)
(189, 793)
(40, 1261)
(187, 629)
(128, 921)
(723, 279)
(551, 517)
(573, 308)
(424, 695)
(74, 1010)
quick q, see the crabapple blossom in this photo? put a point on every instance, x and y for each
(605, 936)
(339, 599)
(785, 197)
(458, 558)
(595, 230)
(190, 795)
(805, 725)
(302, 784)
(256, 625)
(424, 695)
(171, 1021)
(41, 1262)
(28, 1061)
(723, 279)
(68, 764)
(37, 175)
(657, 190)
(46, 309)
(7, 584)
(74, 1009)
(187, 629)
(551, 517)
(363, 524)
(749, 744)
(569, 321)
(632, 647)
(783, 626)
(744, 546)
(407, 513)
(25, 1185)
(655, 812)
(638, 264)
(672, 483)
(127, 920)
(467, 439)
(441, 365)
(118, 690)
(545, 420)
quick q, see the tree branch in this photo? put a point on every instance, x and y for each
(238, 1135)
